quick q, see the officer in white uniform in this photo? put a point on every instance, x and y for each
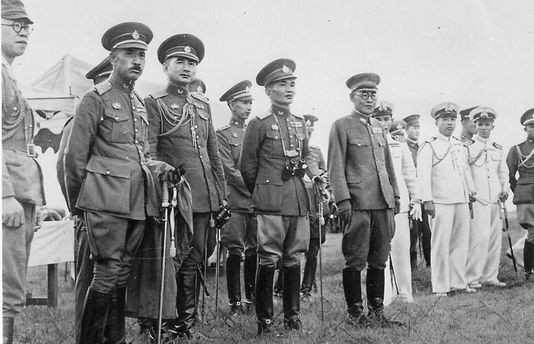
(399, 283)
(487, 161)
(445, 182)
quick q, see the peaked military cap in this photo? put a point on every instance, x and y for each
(483, 113)
(466, 113)
(181, 45)
(363, 81)
(383, 109)
(127, 35)
(104, 68)
(528, 117)
(310, 120)
(397, 127)
(277, 70)
(197, 85)
(14, 10)
(412, 120)
(444, 109)
(240, 91)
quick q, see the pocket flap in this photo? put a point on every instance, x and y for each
(118, 116)
(355, 140)
(108, 166)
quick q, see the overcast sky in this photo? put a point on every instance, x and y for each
(466, 51)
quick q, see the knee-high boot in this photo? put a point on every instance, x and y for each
(264, 297)
(292, 297)
(115, 332)
(94, 318)
(233, 282)
(250, 277)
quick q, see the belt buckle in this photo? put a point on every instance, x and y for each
(30, 150)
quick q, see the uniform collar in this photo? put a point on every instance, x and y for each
(443, 137)
(238, 124)
(177, 90)
(412, 142)
(365, 119)
(280, 111)
(8, 67)
(482, 140)
(119, 83)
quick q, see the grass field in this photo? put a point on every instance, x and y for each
(490, 316)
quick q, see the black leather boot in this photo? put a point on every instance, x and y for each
(264, 298)
(95, 314)
(528, 258)
(250, 277)
(7, 330)
(309, 276)
(353, 297)
(185, 303)
(375, 299)
(115, 332)
(233, 282)
(279, 283)
(292, 297)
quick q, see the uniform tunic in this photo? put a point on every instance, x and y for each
(22, 179)
(444, 178)
(490, 177)
(282, 205)
(105, 176)
(360, 168)
(521, 160)
(241, 230)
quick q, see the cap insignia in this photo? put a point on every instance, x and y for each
(187, 49)
(199, 89)
(247, 89)
(135, 34)
(286, 69)
(449, 108)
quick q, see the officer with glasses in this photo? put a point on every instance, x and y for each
(363, 181)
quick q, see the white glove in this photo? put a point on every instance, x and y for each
(416, 212)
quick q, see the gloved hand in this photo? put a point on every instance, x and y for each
(397, 205)
(344, 211)
(503, 196)
(430, 208)
(416, 212)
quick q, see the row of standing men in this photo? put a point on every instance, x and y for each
(112, 159)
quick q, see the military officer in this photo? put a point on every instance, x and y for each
(83, 262)
(240, 232)
(274, 158)
(407, 183)
(446, 186)
(181, 133)
(105, 176)
(520, 160)
(490, 176)
(22, 185)
(365, 188)
(468, 126)
(308, 279)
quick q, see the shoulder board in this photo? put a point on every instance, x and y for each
(159, 94)
(315, 147)
(298, 116)
(264, 115)
(225, 127)
(103, 87)
(496, 145)
(200, 96)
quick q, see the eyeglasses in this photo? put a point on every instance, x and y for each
(18, 26)
(366, 95)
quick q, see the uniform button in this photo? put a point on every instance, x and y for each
(201, 157)
(196, 126)
(136, 141)
(136, 130)
(108, 172)
(266, 180)
(117, 118)
(276, 137)
(135, 119)
(101, 118)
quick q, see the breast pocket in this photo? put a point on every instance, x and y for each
(235, 148)
(116, 127)
(273, 143)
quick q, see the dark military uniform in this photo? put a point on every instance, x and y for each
(521, 160)
(181, 133)
(361, 172)
(240, 232)
(21, 179)
(82, 252)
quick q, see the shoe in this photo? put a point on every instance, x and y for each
(358, 320)
(498, 284)
(292, 324)
(475, 285)
(236, 308)
(440, 294)
(470, 290)
(305, 296)
(378, 319)
(264, 326)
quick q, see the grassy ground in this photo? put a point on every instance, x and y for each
(490, 316)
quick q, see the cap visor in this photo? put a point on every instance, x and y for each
(132, 45)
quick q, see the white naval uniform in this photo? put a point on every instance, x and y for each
(487, 161)
(443, 177)
(405, 174)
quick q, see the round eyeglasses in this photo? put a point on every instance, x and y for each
(19, 26)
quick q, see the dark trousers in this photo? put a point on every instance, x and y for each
(84, 271)
(420, 231)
